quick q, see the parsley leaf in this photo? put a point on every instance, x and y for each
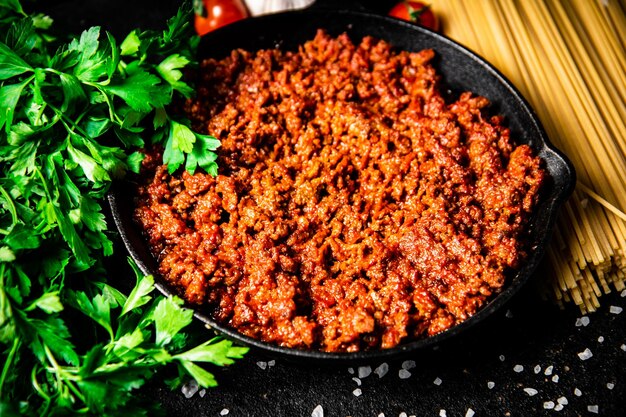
(74, 113)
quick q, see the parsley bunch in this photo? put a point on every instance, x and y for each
(72, 118)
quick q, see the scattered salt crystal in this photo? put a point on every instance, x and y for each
(357, 392)
(403, 414)
(610, 385)
(437, 381)
(615, 309)
(271, 363)
(509, 314)
(262, 365)
(582, 321)
(623, 293)
(351, 371)
(190, 388)
(408, 365)
(518, 368)
(548, 405)
(318, 412)
(530, 391)
(357, 380)
(202, 393)
(600, 339)
(577, 392)
(585, 354)
(442, 413)
(548, 370)
(555, 378)
(364, 371)
(537, 369)
(593, 409)
(501, 357)
(470, 413)
(382, 370)
(491, 384)
(224, 412)
(562, 400)
(404, 374)
(623, 347)
(559, 407)
(381, 415)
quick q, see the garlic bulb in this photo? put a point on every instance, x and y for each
(259, 7)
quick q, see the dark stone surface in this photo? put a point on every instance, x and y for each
(529, 332)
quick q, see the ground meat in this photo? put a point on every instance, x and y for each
(355, 209)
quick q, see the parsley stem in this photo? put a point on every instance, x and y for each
(8, 364)
(11, 207)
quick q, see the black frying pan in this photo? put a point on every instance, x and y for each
(462, 70)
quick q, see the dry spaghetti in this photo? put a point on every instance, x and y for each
(568, 59)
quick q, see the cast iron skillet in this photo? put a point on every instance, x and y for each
(462, 70)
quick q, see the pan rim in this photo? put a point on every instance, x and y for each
(544, 148)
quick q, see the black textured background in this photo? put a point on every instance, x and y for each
(529, 332)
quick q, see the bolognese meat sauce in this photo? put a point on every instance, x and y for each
(354, 207)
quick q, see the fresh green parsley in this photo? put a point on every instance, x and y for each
(74, 116)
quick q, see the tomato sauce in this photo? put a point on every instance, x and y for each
(355, 208)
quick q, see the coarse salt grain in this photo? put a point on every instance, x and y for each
(437, 381)
(577, 392)
(357, 392)
(615, 309)
(582, 321)
(610, 385)
(593, 409)
(559, 407)
(548, 370)
(537, 369)
(501, 357)
(509, 314)
(382, 370)
(600, 339)
(548, 405)
(224, 412)
(562, 400)
(403, 414)
(261, 364)
(530, 391)
(470, 413)
(623, 293)
(351, 371)
(381, 415)
(357, 380)
(318, 412)
(404, 374)
(364, 371)
(623, 347)
(491, 384)
(202, 393)
(518, 368)
(585, 354)
(408, 365)
(271, 363)
(555, 378)
(190, 388)
(442, 413)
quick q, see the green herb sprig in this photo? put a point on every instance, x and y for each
(73, 117)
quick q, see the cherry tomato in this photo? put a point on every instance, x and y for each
(417, 12)
(212, 14)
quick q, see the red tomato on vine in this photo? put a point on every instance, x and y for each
(416, 12)
(212, 14)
